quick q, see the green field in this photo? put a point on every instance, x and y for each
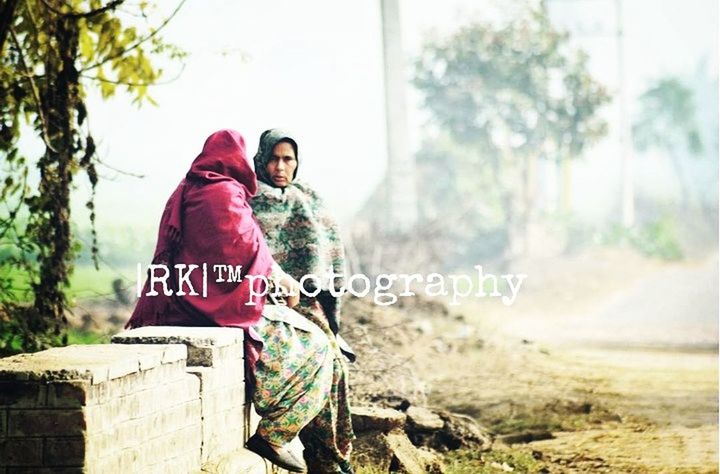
(85, 282)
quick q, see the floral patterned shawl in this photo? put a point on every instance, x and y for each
(303, 238)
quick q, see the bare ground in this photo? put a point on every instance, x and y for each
(612, 354)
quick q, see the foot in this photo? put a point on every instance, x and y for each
(346, 468)
(279, 456)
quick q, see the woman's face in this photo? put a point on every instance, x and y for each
(282, 164)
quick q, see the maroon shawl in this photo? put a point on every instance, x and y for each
(208, 220)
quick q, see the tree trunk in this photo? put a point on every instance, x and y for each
(676, 161)
(528, 175)
(59, 99)
(566, 187)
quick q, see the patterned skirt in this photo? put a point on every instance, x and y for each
(300, 386)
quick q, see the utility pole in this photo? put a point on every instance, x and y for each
(402, 207)
(627, 193)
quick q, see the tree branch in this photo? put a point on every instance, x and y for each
(110, 6)
(135, 84)
(117, 170)
(6, 224)
(137, 43)
(35, 93)
(7, 15)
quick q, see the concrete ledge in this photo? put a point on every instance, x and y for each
(207, 346)
(94, 363)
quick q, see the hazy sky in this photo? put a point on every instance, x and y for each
(314, 67)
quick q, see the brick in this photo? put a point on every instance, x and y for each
(150, 361)
(241, 461)
(185, 463)
(191, 413)
(121, 368)
(213, 378)
(46, 470)
(133, 433)
(202, 356)
(185, 441)
(130, 433)
(102, 446)
(64, 451)
(218, 440)
(230, 419)
(234, 354)
(157, 424)
(158, 398)
(183, 390)
(98, 446)
(140, 443)
(68, 394)
(130, 458)
(174, 353)
(21, 452)
(110, 464)
(103, 417)
(211, 356)
(22, 394)
(167, 373)
(219, 443)
(223, 399)
(141, 404)
(46, 423)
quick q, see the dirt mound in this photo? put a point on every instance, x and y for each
(390, 341)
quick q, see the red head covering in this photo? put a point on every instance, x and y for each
(207, 220)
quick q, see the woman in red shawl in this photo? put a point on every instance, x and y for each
(207, 220)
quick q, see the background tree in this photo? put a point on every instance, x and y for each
(507, 96)
(668, 122)
(52, 51)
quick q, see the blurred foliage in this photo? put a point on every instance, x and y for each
(468, 196)
(78, 336)
(658, 238)
(667, 118)
(668, 122)
(52, 53)
(501, 97)
(119, 247)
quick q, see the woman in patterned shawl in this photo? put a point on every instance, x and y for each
(304, 240)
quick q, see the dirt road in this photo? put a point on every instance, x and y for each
(617, 357)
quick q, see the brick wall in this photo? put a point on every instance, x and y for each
(160, 400)
(215, 357)
(99, 408)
